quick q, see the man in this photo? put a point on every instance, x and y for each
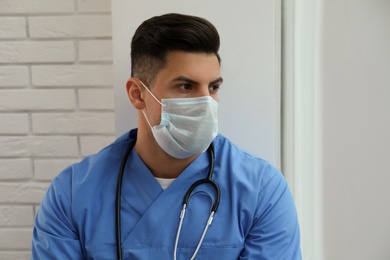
(174, 86)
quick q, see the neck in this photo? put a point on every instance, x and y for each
(161, 164)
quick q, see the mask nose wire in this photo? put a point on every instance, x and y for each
(150, 92)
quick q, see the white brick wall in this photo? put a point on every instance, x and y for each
(83, 26)
(56, 102)
(12, 27)
(36, 51)
(14, 76)
(72, 75)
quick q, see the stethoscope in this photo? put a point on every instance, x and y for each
(207, 180)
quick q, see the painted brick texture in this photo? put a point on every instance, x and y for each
(56, 102)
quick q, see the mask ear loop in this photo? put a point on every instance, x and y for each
(150, 92)
(147, 120)
(143, 110)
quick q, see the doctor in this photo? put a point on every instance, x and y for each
(174, 85)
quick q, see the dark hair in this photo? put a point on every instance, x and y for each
(158, 35)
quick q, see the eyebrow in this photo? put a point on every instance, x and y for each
(191, 81)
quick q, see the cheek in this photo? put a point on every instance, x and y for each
(157, 117)
(154, 113)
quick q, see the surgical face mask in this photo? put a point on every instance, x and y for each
(188, 125)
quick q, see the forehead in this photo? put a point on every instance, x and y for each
(197, 66)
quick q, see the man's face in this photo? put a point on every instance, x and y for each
(185, 75)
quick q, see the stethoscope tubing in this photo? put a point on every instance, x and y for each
(118, 198)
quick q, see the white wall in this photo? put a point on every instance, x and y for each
(355, 84)
(56, 102)
(336, 125)
(249, 110)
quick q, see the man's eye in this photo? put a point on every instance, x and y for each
(214, 88)
(185, 87)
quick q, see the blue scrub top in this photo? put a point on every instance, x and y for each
(256, 218)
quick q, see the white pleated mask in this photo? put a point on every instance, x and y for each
(188, 125)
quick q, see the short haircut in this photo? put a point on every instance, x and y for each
(159, 35)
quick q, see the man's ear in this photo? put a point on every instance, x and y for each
(134, 92)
